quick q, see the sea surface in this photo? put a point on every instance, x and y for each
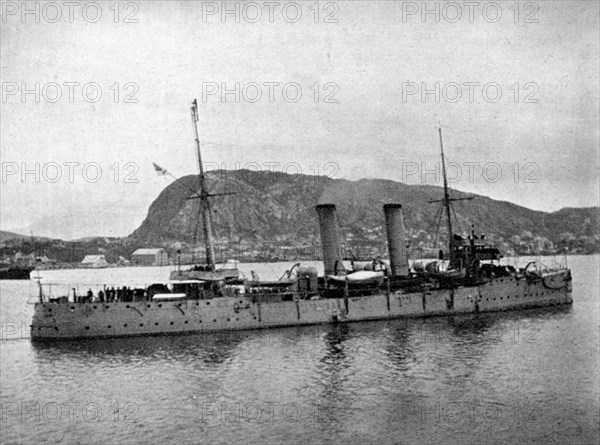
(514, 377)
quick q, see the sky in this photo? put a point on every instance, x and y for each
(93, 94)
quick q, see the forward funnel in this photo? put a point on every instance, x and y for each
(394, 225)
(330, 237)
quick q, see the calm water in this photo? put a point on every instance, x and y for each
(520, 377)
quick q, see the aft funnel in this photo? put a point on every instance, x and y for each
(394, 225)
(330, 237)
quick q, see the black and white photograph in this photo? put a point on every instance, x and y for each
(300, 222)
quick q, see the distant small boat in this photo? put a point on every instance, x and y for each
(15, 272)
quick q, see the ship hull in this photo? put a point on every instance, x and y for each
(55, 321)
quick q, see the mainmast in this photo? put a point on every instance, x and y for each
(204, 195)
(446, 199)
(456, 257)
(447, 203)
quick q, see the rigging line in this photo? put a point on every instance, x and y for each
(181, 184)
(415, 248)
(412, 249)
(456, 130)
(437, 230)
(456, 217)
(483, 221)
(221, 144)
(197, 224)
(437, 217)
(258, 145)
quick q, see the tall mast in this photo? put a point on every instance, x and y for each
(204, 195)
(446, 197)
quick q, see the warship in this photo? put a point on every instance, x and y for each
(467, 278)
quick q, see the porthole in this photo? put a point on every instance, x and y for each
(55, 328)
(95, 307)
(127, 306)
(208, 303)
(87, 328)
(186, 322)
(214, 320)
(109, 326)
(148, 305)
(171, 323)
(159, 305)
(106, 307)
(228, 319)
(125, 325)
(141, 325)
(156, 324)
(72, 308)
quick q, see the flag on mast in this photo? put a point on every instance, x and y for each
(159, 170)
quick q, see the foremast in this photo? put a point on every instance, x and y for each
(204, 196)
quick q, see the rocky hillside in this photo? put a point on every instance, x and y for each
(270, 206)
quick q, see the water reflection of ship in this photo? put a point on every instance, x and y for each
(334, 340)
(204, 298)
(465, 340)
(214, 348)
(332, 369)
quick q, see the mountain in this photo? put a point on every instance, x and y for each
(273, 206)
(265, 206)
